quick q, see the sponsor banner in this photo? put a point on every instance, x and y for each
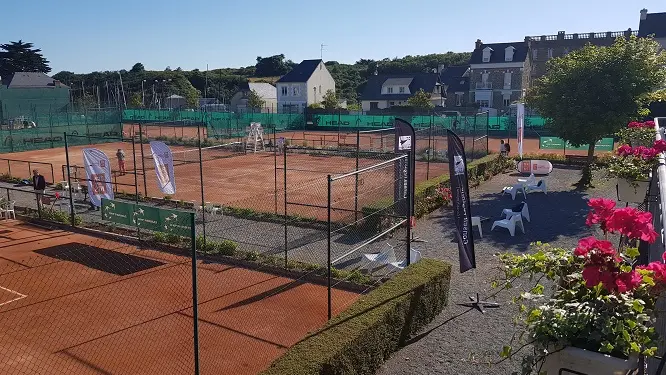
(163, 158)
(147, 217)
(98, 172)
(460, 199)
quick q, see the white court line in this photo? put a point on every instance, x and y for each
(20, 296)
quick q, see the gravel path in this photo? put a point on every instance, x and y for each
(464, 341)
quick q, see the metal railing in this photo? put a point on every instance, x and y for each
(28, 165)
(593, 35)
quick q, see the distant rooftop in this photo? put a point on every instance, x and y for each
(562, 35)
(30, 80)
(653, 24)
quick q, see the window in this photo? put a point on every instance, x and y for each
(459, 97)
(507, 102)
(535, 53)
(402, 89)
(374, 105)
(550, 53)
(389, 90)
(392, 103)
(507, 80)
(319, 89)
(483, 103)
(486, 54)
(508, 53)
(296, 93)
(284, 90)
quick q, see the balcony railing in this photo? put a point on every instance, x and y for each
(484, 85)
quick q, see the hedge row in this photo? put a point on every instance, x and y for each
(362, 337)
(426, 198)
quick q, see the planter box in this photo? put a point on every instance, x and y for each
(632, 192)
(570, 361)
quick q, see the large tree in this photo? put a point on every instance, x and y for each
(420, 100)
(254, 100)
(273, 66)
(21, 57)
(593, 92)
(330, 100)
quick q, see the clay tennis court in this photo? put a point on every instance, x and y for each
(75, 304)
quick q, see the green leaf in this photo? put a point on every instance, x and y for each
(632, 252)
(506, 351)
(625, 335)
(638, 306)
(538, 289)
(606, 347)
(635, 348)
(650, 352)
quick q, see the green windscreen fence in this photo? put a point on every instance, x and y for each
(555, 143)
(45, 131)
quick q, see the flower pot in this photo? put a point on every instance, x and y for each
(572, 360)
(632, 191)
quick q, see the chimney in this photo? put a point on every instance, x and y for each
(644, 14)
(478, 43)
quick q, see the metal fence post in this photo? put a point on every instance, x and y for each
(143, 166)
(195, 297)
(429, 151)
(275, 168)
(328, 247)
(203, 198)
(69, 186)
(136, 184)
(358, 148)
(410, 204)
(286, 240)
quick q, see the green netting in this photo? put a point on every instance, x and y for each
(38, 138)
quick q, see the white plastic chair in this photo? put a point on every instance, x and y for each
(510, 224)
(531, 180)
(414, 256)
(7, 210)
(386, 256)
(522, 211)
(514, 189)
(476, 222)
(539, 186)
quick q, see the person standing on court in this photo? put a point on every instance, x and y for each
(39, 184)
(121, 161)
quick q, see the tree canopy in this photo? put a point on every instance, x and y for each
(273, 66)
(329, 100)
(254, 100)
(420, 100)
(593, 92)
(137, 68)
(21, 57)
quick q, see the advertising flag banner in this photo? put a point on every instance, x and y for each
(166, 180)
(98, 172)
(404, 144)
(460, 199)
(520, 126)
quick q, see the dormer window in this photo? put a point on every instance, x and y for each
(486, 54)
(508, 53)
(402, 89)
(389, 90)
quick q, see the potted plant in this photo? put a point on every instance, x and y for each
(632, 166)
(599, 316)
(637, 134)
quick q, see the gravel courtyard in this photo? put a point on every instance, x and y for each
(464, 341)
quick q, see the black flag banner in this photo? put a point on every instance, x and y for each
(404, 144)
(461, 205)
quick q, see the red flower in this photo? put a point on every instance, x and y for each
(649, 153)
(592, 276)
(624, 150)
(634, 124)
(658, 269)
(638, 151)
(57, 195)
(628, 281)
(648, 124)
(659, 145)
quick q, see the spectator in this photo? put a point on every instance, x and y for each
(39, 184)
(502, 149)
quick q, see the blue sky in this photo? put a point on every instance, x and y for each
(89, 35)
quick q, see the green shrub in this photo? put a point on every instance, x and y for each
(172, 238)
(227, 247)
(363, 336)
(58, 187)
(159, 237)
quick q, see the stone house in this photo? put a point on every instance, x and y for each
(499, 73)
(304, 85)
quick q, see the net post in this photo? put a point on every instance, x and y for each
(195, 297)
(143, 165)
(69, 185)
(203, 199)
(286, 238)
(328, 247)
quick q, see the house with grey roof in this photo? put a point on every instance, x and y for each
(653, 24)
(266, 91)
(499, 73)
(304, 85)
(30, 94)
(455, 79)
(388, 90)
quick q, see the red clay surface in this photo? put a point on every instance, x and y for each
(249, 181)
(75, 319)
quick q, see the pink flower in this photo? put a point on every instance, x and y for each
(648, 124)
(649, 153)
(660, 145)
(634, 124)
(658, 269)
(592, 276)
(638, 151)
(57, 195)
(601, 210)
(624, 150)
(632, 223)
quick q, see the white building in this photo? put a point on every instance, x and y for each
(304, 85)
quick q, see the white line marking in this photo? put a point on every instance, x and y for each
(20, 296)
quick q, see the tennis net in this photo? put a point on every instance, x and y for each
(207, 153)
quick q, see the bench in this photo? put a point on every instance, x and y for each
(578, 159)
